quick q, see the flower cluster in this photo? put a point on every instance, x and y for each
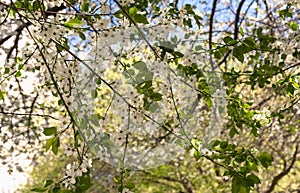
(76, 170)
(262, 116)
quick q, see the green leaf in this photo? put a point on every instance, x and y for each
(98, 81)
(94, 93)
(236, 185)
(178, 54)
(252, 179)
(259, 33)
(95, 120)
(73, 23)
(223, 144)
(59, 48)
(133, 11)
(7, 70)
(148, 75)
(285, 13)
(156, 96)
(55, 145)
(35, 5)
(130, 185)
(85, 6)
(265, 159)
(290, 89)
(117, 179)
(209, 102)
(293, 25)
(47, 183)
(197, 155)
(50, 131)
(217, 54)
(39, 189)
(138, 18)
(238, 53)
(18, 74)
(56, 189)
(229, 40)
(242, 31)
(60, 102)
(81, 35)
(250, 42)
(49, 143)
(66, 45)
(216, 143)
(118, 14)
(198, 47)
(283, 56)
(232, 132)
(140, 65)
(2, 95)
(153, 107)
(83, 183)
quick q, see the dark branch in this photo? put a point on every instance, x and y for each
(237, 20)
(236, 29)
(211, 20)
(284, 172)
(49, 12)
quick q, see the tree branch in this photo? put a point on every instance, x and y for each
(236, 29)
(49, 12)
(211, 21)
(284, 172)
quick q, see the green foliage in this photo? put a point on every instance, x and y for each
(265, 159)
(53, 142)
(83, 183)
(50, 131)
(72, 23)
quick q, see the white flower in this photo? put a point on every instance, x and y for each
(262, 116)
(72, 180)
(78, 172)
(69, 151)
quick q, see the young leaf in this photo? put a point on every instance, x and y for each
(81, 35)
(265, 159)
(132, 11)
(242, 31)
(197, 155)
(236, 185)
(252, 179)
(156, 97)
(140, 65)
(73, 23)
(55, 145)
(48, 183)
(232, 132)
(50, 131)
(293, 25)
(229, 40)
(95, 120)
(238, 53)
(138, 18)
(130, 185)
(250, 42)
(39, 189)
(49, 143)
